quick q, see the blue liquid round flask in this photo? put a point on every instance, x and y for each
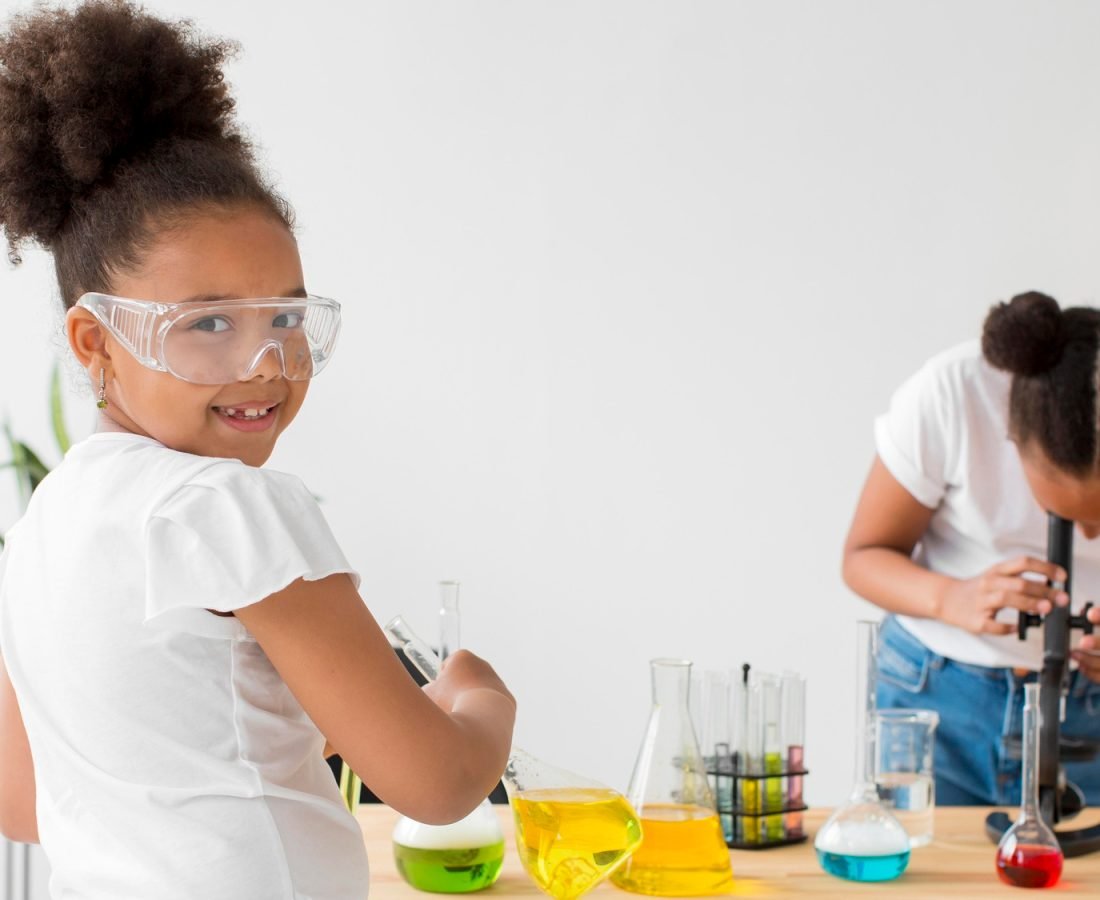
(863, 841)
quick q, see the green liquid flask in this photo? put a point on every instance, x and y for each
(450, 859)
(571, 832)
(465, 855)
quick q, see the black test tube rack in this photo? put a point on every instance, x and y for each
(749, 821)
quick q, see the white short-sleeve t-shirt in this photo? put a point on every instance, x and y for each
(171, 760)
(945, 439)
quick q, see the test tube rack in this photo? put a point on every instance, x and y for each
(749, 820)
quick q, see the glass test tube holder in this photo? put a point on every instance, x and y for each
(739, 823)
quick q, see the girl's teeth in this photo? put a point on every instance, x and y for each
(254, 413)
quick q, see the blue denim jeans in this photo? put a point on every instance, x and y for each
(978, 708)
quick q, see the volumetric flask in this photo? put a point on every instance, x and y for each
(863, 841)
(1028, 854)
(683, 852)
(571, 832)
(465, 855)
(903, 773)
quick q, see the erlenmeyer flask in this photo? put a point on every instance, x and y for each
(683, 852)
(862, 841)
(465, 855)
(571, 832)
(1028, 854)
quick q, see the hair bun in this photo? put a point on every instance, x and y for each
(1025, 336)
(86, 89)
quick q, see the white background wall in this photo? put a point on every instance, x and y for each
(625, 284)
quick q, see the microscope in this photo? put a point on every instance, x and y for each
(1059, 798)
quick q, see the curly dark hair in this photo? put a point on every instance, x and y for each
(1052, 355)
(115, 125)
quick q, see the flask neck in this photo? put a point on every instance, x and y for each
(1029, 791)
(671, 682)
(449, 620)
(866, 649)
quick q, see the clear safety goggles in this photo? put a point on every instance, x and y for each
(224, 340)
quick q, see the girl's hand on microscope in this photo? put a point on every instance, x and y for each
(1087, 654)
(973, 604)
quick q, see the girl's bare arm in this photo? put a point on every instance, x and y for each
(432, 754)
(878, 566)
(18, 821)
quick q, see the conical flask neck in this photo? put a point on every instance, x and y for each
(525, 772)
(670, 768)
(671, 682)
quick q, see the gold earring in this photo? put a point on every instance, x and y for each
(101, 403)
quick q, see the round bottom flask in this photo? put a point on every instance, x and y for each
(1028, 855)
(450, 859)
(863, 842)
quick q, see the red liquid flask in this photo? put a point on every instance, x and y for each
(1030, 866)
(1028, 855)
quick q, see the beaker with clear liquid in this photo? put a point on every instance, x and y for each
(1028, 854)
(863, 840)
(571, 832)
(466, 855)
(683, 851)
(905, 739)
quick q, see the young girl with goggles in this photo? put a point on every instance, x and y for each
(180, 633)
(222, 341)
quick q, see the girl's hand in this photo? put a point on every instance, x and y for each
(973, 604)
(463, 671)
(1087, 654)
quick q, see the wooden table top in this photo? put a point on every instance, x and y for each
(958, 863)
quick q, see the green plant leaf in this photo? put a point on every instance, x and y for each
(29, 469)
(57, 412)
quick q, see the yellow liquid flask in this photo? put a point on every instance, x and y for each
(571, 832)
(683, 851)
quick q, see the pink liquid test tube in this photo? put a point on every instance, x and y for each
(794, 735)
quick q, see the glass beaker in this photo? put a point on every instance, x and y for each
(466, 855)
(903, 773)
(1028, 854)
(863, 841)
(683, 852)
(571, 832)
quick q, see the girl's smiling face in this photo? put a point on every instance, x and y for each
(214, 254)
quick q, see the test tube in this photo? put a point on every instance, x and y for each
(794, 733)
(449, 638)
(771, 752)
(753, 763)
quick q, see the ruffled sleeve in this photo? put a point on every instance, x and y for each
(916, 438)
(228, 538)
